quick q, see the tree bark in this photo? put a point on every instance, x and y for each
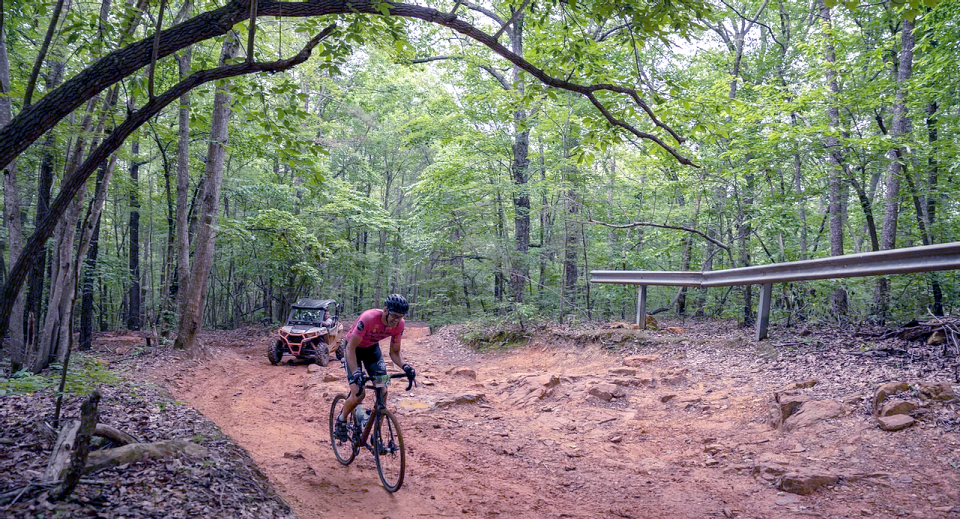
(520, 269)
(183, 183)
(835, 160)
(78, 450)
(191, 321)
(133, 296)
(933, 174)
(11, 216)
(899, 130)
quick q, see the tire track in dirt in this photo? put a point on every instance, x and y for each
(559, 453)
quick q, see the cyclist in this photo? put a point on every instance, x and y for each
(363, 347)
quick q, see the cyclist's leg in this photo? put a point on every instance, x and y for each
(376, 366)
(354, 397)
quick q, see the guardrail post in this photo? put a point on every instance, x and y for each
(642, 307)
(763, 313)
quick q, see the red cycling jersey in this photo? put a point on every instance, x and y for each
(371, 330)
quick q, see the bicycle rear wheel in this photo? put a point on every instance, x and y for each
(387, 445)
(344, 449)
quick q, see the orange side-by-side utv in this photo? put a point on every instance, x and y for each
(312, 332)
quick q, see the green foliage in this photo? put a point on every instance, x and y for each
(84, 375)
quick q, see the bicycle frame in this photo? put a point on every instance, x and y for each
(382, 428)
(378, 406)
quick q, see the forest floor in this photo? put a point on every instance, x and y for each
(561, 427)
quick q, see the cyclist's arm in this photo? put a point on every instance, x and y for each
(395, 352)
(351, 352)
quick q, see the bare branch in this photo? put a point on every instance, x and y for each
(716, 242)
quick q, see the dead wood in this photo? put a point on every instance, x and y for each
(134, 452)
(939, 331)
(113, 434)
(60, 457)
(89, 415)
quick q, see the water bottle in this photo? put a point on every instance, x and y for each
(362, 415)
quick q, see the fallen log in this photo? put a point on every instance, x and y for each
(113, 434)
(134, 452)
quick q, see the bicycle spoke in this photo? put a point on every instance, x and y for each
(344, 449)
(387, 445)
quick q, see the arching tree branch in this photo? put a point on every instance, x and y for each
(35, 120)
(716, 242)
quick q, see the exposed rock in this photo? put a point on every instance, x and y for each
(461, 371)
(800, 384)
(529, 389)
(466, 398)
(330, 377)
(788, 405)
(674, 377)
(639, 360)
(885, 391)
(628, 371)
(892, 407)
(770, 466)
(627, 381)
(939, 391)
(607, 391)
(805, 482)
(895, 422)
(812, 412)
(313, 368)
(650, 323)
(667, 398)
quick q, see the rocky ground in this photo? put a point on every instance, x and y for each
(695, 420)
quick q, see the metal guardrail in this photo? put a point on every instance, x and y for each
(944, 256)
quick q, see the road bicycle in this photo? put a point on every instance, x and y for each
(381, 429)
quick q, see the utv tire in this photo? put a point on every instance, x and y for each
(275, 353)
(323, 353)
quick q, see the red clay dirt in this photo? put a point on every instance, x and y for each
(526, 433)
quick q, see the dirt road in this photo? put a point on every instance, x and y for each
(564, 430)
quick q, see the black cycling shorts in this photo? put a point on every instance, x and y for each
(370, 358)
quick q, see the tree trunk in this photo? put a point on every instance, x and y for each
(519, 169)
(133, 297)
(835, 160)
(86, 302)
(192, 319)
(90, 239)
(899, 130)
(183, 178)
(932, 180)
(183, 185)
(11, 216)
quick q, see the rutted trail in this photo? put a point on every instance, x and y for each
(541, 431)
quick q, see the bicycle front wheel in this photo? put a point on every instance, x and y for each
(345, 449)
(387, 445)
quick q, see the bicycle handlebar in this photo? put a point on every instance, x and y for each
(366, 378)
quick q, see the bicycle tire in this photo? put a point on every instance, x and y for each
(387, 445)
(344, 450)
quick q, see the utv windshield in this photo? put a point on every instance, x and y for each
(307, 315)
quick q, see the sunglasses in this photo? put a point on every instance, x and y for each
(393, 316)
